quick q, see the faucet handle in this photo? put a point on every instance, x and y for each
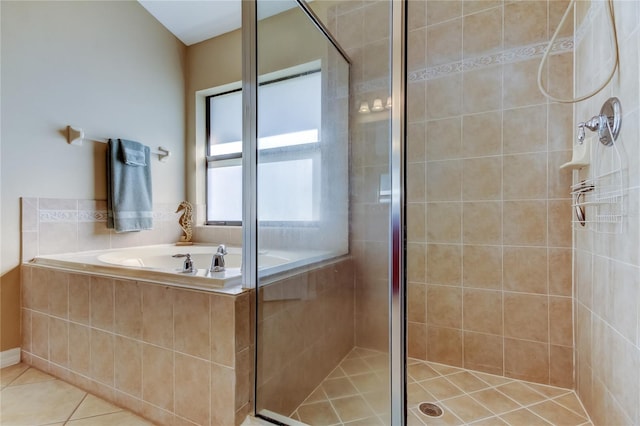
(222, 249)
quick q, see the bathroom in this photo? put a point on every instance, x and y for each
(498, 281)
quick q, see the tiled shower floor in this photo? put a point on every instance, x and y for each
(351, 395)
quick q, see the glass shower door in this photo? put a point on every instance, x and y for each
(305, 306)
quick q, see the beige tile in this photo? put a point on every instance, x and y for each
(466, 381)
(444, 306)
(25, 329)
(416, 302)
(222, 330)
(222, 382)
(445, 97)
(560, 131)
(443, 10)
(351, 408)
(40, 335)
(32, 375)
(417, 395)
(128, 309)
(557, 414)
(482, 222)
(560, 272)
(525, 223)
(416, 101)
(157, 315)
(482, 32)
(79, 298)
(473, 6)
(482, 179)
(525, 269)
(482, 134)
(526, 316)
(519, 84)
(39, 291)
(9, 374)
(482, 90)
(315, 396)
(523, 417)
(416, 221)
(572, 402)
(444, 265)
(39, 403)
(526, 360)
(416, 141)
(495, 401)
(102, 304)
(79, 348)
(483, 311)
(444, 139)
(59, 341)
(320, 413)
(58, 286)
(421, 371)
(416, 14)
(561, 359)
(416, 182)
(467, 409)
(416, 262)
(337, 388)
(560, 321)
(192, 322)
(416, 48)
(482, 267)
(522, 129)
(192, 394)
(521, 393)
(492, 379)
(444, 222)
(121, 418)
(444, 180)
(559, 180)
(243, 321)
(417, 340)
(445, 345)
(93, 406)
(102, 357)
(483, 352)
(444, 43)
(560, 234)
(158, 376)
(441, 388)
(525, 176)
(128, 358)
(525, 22)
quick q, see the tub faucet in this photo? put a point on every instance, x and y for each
(187, 266)
(217, 261)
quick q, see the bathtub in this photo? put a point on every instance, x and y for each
(157, 264)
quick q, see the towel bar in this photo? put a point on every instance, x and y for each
(75, 136)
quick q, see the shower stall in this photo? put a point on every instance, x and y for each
(431, 195)
(330, 335)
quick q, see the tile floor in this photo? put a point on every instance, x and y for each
(30, 397)
(351, 395)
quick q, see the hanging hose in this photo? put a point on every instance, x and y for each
(552, 41)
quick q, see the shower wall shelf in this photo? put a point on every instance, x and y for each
(599, 200)
(75, 136)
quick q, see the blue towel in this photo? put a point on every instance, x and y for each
(129, 195)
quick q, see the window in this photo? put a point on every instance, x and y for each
(289, 123)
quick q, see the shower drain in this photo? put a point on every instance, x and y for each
(430, 409)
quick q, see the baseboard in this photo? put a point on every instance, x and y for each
(9, 357)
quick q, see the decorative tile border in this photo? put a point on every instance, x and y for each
(68, 216)
(510, 56)
(58, 216)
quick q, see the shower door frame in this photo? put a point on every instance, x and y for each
(397, 234)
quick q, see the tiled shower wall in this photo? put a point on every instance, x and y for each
(305, 328)
(607, 266)
(362, 29)
(489, 252)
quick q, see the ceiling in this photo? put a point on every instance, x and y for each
(194, 21)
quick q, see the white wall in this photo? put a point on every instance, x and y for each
(106, 66)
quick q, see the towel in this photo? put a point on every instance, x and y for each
(129, 195)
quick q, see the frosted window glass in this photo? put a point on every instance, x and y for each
(224, 193)
(285, 191)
